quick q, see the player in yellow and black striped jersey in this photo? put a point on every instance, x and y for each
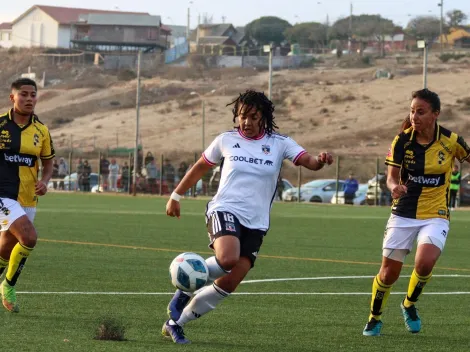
(23, 141)
(420, 163)
(426, 171)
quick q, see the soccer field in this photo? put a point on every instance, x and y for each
(108, 256)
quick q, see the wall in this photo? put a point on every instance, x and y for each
(5, 39)
(64, 37)
(119, 62)
(279, 62)
(176, 52)
(35, 30)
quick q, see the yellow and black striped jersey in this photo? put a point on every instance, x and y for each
(426, 171)
(20, 149)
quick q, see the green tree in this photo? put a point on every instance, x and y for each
(364, 28)
(308, 34)
(456, 18)
(268, 29)
(424, 27)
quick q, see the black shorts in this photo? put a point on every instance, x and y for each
(221, 223)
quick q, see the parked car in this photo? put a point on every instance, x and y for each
(464, 193)
(71, 184)
(318, 191)
(373, 189)
(360, 198)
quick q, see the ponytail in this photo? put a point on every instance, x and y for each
(406, 123)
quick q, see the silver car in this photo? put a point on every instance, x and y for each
(318, 191)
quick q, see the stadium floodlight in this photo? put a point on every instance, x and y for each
(422, 44)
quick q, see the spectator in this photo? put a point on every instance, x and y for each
(148, 158)
(80, 167)
(55, 173)
(350, 188)
(169, 175)
(63, 171)
(104, 172)
(152, 175)
(455, 179)
(113, 175)
(85, 177)
(385, 194)
(125, 177)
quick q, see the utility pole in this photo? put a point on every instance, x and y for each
(350, 28)
(270, 92)
(188, 24)
(327, 31)
(441, 4)
(137, 116)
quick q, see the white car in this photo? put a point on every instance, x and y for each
(360, 198)
(318, 191)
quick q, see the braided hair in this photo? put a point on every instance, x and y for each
(260, 102)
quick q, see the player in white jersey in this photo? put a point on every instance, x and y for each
(237, 217)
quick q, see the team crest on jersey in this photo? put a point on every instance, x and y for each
(230, 226)
(441, 156)
(266, 149)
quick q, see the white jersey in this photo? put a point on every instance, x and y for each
(249, 172)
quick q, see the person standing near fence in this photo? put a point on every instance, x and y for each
(420, 163)
(113, 175)
(455, 180)
(63, 172)
(23, 140)
(104, 173)
(350, 188)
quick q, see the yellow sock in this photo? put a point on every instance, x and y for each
(3, 265)
(380, 294)
(18, 257)
(415, 288)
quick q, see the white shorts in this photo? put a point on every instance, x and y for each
(401, 233)
(10, 210)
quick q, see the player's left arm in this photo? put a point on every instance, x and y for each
(462, 150)
(315, 162)
(47, 155)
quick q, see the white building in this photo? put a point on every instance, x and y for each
(5, 35)
(49, 26)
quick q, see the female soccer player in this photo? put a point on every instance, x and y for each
(420, 163)
(237, 217)
(23, 140)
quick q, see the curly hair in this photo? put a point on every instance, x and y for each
(260, 102)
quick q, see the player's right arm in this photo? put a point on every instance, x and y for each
(189, 180)
(211, 156)
(394, 161)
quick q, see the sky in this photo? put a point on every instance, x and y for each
(241, 12)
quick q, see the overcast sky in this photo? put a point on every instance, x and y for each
(241, 12)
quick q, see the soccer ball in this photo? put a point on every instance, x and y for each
(189, 272)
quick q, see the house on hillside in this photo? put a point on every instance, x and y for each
(5, 35)
(177, 34)
(457, 38)
(220, 39)
(50, 26)
(392, 43)
(119, 32)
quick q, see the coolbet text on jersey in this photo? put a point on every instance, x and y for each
(249, 166)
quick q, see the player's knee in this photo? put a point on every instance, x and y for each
(424, 268)
(228, 261)
(26, 233)
(388, 275)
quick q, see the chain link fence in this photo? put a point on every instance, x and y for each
(159, 174)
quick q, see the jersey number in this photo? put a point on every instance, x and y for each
(228, 217)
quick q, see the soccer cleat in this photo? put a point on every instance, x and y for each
(373, 328)
(177, 304)
(411, 317)
(9, 297)
(175, 332)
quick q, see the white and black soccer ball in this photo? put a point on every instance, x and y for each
(189, 272)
